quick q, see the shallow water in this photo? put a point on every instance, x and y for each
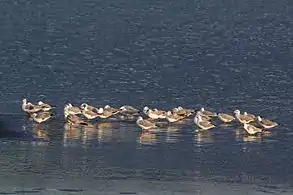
(223, 56)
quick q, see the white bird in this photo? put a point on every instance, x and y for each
(45, 106)
(69, 109)
(105, 113)
(126, 109)
(242, 118)
(207, 113)
(204, 117)
(145, 124)
(265, 123)
(111, 109)
(173, 117)
(249, 115)
(41, 116)
(226, 118)
(29, 107)
(89, 114)
(203, 124)
(85, 106)
(183, 111)
(154, 114)
(251, 130)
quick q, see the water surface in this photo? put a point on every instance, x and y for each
(220, 55)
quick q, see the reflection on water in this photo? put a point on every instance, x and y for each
(86, 133)
(99, 132)
(39, 143)
(252, 138)
(146, 137)
(71, 131)
(105, 131)
(168, 134)
(222, 56)
(212, 150)
(39, 132)
(172, 134)
(241, 135)
(203, 137)
(123, 131)
(89, 133)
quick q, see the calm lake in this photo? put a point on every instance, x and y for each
(221, 55)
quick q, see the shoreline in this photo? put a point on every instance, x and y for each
(143, 187)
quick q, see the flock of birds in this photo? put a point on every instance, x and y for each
(203, 119)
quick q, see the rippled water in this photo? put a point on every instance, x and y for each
(220, 55)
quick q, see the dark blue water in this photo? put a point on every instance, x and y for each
(223, 55)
